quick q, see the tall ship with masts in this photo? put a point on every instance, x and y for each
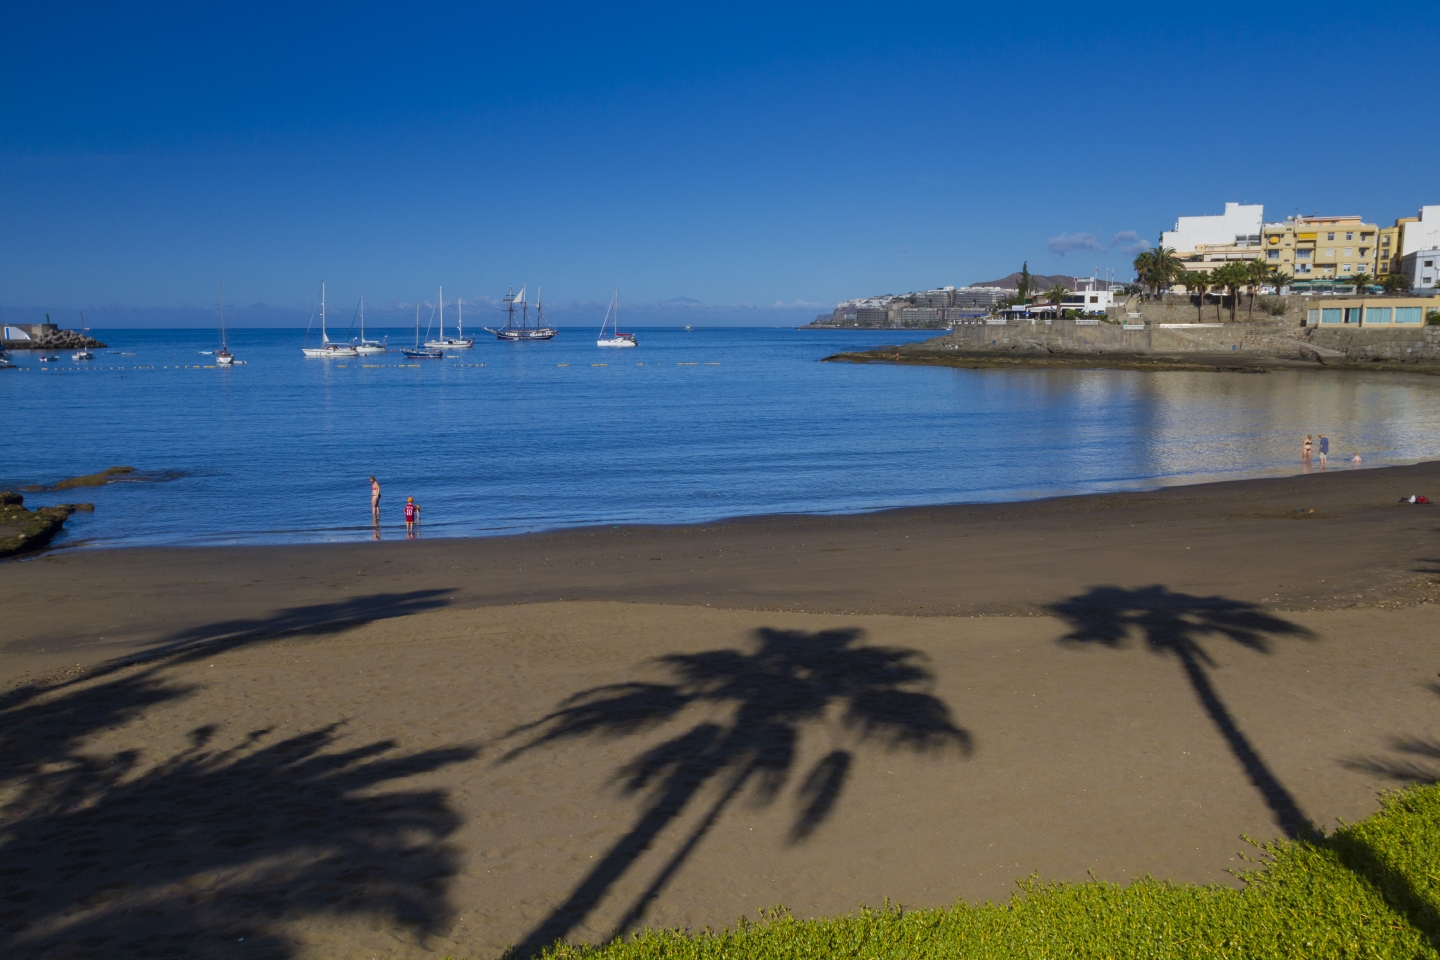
(521, 327)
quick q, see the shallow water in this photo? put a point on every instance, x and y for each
(688, 427)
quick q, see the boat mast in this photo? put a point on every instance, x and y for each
(417, 326)
(222, 316)
(460, 308)
(442, 314)
(324, 337)
(362, 319)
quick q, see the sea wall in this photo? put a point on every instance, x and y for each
(1276, 338)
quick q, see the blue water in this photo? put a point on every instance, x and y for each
(688, 427)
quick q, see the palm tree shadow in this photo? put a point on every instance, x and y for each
(1174, 624)
(790, 681)
(120, 854)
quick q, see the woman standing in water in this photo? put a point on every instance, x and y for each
(1305, 449)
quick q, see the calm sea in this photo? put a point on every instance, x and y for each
(690, 426)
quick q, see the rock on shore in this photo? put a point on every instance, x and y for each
(22, 530)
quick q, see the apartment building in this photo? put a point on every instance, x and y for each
(1326, 249)
(1422, 269)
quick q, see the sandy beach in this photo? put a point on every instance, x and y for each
(442, 747)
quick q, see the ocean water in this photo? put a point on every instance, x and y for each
(688, 427)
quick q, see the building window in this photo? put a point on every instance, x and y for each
(1349, 251)
(1350, 236)
(1429, 263)
(1377, 315)
(1329, 236)
(1344, 268)
(1330, 315)
(1272, 254)
(1303, 253)
(1408, 315)
(1385, 241)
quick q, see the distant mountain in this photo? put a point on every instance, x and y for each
(683, 302)
(1037, 282)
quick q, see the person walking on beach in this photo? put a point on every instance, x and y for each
(1324, 449)
(412, 514)
(1306, 448)
(375, 501)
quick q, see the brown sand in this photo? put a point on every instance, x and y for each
(357, 763)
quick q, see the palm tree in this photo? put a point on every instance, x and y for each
(1258, 274)
(1157, 268)
(1057, 295)
(1196, 281)
(1395, 283)
(1231, 278)
(1361, 281)
(792, 680)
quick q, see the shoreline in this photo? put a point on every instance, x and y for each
(102, 602)
(1194, 362)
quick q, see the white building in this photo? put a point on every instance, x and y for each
(1238, 225)
(1423, 234)
(1090, 297)
(1422, 268)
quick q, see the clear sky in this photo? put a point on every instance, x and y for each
(732, 154)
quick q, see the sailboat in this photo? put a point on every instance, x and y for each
(326, 348)
(523, 331)
(422, 353)
(369, 346)
(612, 319)
(84, 352)
(223, 357)
(450, 343)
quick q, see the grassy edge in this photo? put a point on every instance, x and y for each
(1368, 889)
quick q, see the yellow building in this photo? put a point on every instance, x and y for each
(1332, 249)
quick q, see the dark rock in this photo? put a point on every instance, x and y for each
(10, 499)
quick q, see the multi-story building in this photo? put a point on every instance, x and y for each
(1422, 269)
(1408, 235)
(1239, 224)
(1327, 249)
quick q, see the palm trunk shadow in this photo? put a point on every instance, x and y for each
(1283, 806)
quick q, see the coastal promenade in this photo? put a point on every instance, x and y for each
(448, 747)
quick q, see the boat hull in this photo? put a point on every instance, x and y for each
(370, 348)
(424, 354)
(617, 342)
(325, 352)
(544, 333)
(449, 343)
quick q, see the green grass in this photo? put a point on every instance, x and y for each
(1371, 889)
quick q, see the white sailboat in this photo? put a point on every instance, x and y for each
(84, 352)
(369, 346)
(223, 356)
(449, 343)
(612, 319)
(326, 348)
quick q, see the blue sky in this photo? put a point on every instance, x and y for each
(743, 156)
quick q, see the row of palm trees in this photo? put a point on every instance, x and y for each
(1159, 269)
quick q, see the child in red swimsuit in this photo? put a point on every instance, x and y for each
(412, 513)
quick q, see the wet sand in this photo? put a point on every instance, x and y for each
(446, 747)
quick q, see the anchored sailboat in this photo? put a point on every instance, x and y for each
(326, 348)
(223, 357)
(369, 346)
(523, 330)
(450, 343)
(612, 319)
(84, 352)
(422, 353)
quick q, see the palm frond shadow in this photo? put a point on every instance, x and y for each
(120, 853)
(1174, 624)
(790, 681)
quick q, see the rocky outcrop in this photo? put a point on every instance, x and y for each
(57, 340)
(23, 530)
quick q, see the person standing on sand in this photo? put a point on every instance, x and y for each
(412, 514)
(375, 501)
(1305, 449)
(1324, 449)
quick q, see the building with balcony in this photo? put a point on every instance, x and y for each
(1327, 249)
(1422, 269)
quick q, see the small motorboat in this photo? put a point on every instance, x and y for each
(82, 354)
(45, 359)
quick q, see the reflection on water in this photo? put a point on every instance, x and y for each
(688, 427)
